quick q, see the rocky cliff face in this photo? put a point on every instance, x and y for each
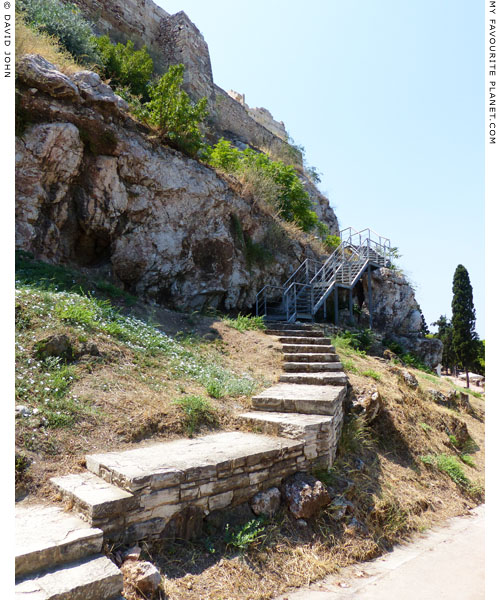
(92, 189)
(396, 312)
(174, 39)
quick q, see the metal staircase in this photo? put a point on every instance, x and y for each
(307, 289)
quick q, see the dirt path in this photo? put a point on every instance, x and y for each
(443, 564)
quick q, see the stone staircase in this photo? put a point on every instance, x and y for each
(58, 558)
(307, 403)
(151, 491)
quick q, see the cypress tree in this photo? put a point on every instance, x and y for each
(463, 320)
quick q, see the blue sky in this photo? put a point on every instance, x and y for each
(388, 99)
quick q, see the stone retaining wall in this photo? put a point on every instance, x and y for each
(204, 475)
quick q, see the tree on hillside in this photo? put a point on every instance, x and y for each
(463, 320)
(445, 334)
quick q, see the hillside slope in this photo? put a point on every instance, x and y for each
(116, 381)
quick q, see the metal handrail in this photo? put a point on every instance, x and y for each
(309, 286)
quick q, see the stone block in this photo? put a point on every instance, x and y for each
(157, 498)
(89, 579)
(93, 496)
(220, 501)
(47, 536)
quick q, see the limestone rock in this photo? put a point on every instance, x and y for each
(39, 73)
(142, 575)
(48, 160)
(368, 403)
(405, 377)
(57, 346)
(340, 507)
(22, 411)
(305, 495)
(438, 397)
(409, 379)
(94, 91)
(394, 307)
(266, 503)
(93, 190)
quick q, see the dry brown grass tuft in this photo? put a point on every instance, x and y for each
(29, 41)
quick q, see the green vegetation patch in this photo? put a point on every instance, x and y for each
(451, 466)
(371, 373)
(245, 536)
(271, 181)
(245, 323)
(65, 23)
(44, 308)
(197, 412)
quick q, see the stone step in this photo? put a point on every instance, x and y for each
(301, 326)
(47, 536)
(316, 341)
(312, 367)
(316, 431)
(295, 333)
(320, 378)
(306, 348)
(182, 461)
(304, 399)
(305, 357)
(289, 425)
(93, 497)
(93, 578)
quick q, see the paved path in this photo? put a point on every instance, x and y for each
(443, 564)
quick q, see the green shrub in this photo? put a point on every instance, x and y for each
(468, 460)
(197, 412)
(360, 340)
(65, 23)
(224, 156)
(124, 66)
(332, 242)
(171, 112)
(271, 181)
(407, 358)
(246, 535)
(349, 366)
(22, 464)
(245, 323)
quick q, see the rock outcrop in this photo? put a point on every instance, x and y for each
(396, 312)
(93, 190)
(174, 39)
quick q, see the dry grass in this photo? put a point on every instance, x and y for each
(29, 41)
(379, 468)
(122, 396)
(393, 495)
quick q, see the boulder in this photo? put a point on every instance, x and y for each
(305, 495)
(367, 403)
(94, 91)
(37, 72)
(266, 503)
(405, 377)
(58, 346)
(394, 307)
(340, 507)
(142, 575)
